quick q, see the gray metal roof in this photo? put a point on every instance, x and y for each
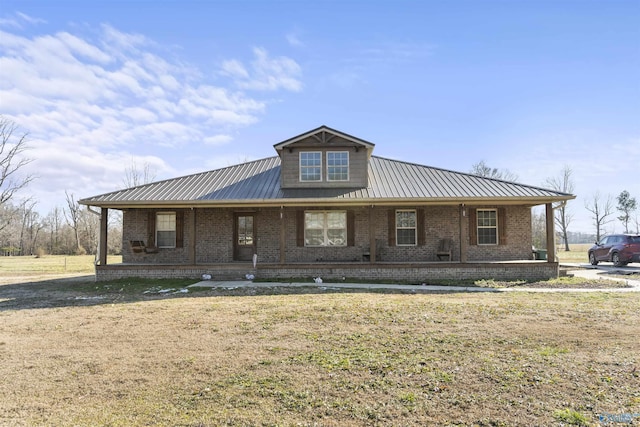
(257, 183)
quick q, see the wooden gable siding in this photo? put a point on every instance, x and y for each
(290, 164)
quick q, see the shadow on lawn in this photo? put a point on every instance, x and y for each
(83, 291)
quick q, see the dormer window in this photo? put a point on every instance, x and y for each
(310, 166)
(337, 166)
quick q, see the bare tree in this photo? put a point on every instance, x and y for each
(12, 147)
(538, 229)
(134, 176)
(30, 227)
(72, 214)
(482, 169)
(601, 209)
(54, 224)
(626, 205)
(564, 184)
(90, 230)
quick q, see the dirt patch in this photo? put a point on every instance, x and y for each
(581, 284)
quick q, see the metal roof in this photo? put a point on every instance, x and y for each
(395, 182)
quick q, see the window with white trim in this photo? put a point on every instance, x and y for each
(166, 229)
(325, 228)
(406, 228)
(310, 166)
(487, 223)
(337, 166)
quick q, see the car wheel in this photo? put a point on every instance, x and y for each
(615, 259)
(592, 259)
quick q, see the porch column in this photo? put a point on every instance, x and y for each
(283, 236)
(372, 236)
(104, 218)
(551, 235)
(192, 237)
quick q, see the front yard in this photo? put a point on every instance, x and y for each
(80, 353)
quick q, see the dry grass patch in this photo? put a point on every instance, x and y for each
(15, 269)
(347, 359)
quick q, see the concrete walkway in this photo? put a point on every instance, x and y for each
(585, 271)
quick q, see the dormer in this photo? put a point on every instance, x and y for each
(324, 158)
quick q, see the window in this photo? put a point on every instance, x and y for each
(325, 228)
(338, 166)
(487, 226)
(406, 228)
(310, 166)
(245, 230)
(166, 229)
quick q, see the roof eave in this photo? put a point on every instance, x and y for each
(304, 202)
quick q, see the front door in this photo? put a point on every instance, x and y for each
(245, 237)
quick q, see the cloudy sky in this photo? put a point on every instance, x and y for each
(188, 86)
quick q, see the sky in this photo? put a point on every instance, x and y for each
(189, 86)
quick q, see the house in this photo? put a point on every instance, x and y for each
(326, 206)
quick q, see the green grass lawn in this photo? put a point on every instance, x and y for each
(577, 253)
(51, 264)
(318, 358)
(77, 352)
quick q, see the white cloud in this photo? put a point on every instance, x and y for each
(294, 40)
(217, 140)
(267, 74)
(234, 68)
(92, 101)
(30, 19)
(19, 19)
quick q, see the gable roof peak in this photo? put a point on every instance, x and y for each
(323, 134)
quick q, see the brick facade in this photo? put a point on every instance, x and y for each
(211, 241)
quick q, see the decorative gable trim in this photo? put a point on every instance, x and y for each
(323, 135)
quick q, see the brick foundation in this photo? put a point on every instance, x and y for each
(409, 272)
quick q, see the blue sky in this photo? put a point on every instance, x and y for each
(188, 86)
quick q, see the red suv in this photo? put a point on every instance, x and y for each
(620, 249)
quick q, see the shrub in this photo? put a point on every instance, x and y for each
(571, 417)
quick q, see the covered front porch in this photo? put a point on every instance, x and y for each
(278, 253)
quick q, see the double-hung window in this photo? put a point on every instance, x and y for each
(337, 166)
(310, 166)
(166, 229)
(406, 227)
(487, 226)
(325, 228)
